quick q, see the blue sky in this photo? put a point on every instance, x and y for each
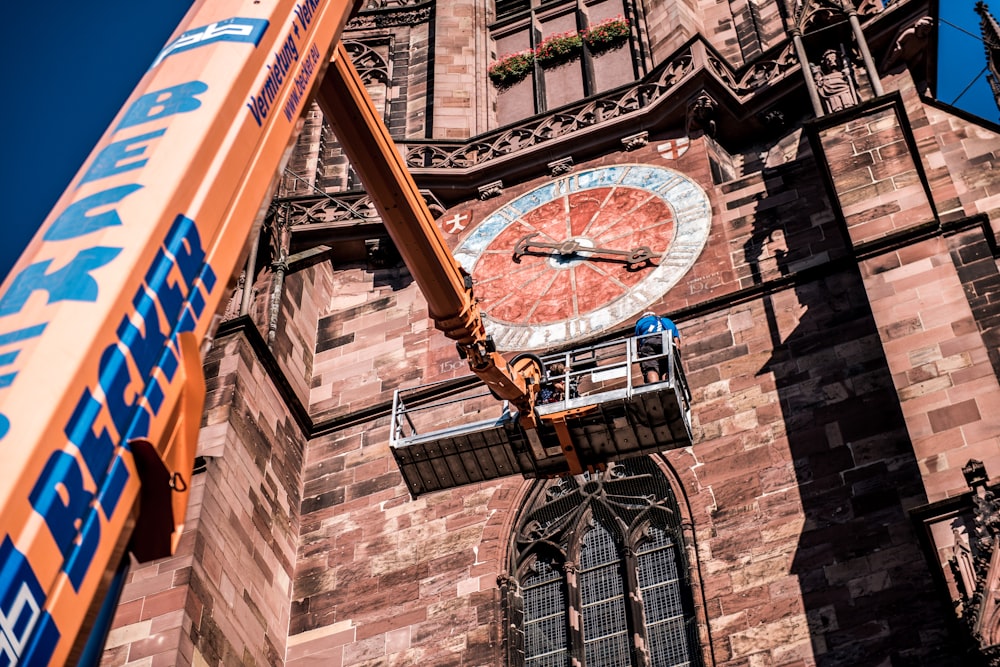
(961, 76)
(70, 65)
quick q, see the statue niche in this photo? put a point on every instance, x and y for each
(834, 81)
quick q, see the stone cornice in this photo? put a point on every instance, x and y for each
(596, 125)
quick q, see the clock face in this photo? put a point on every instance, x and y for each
(584, 252)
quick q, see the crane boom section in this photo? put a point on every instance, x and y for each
(374, 156)
(364, 137)
(98, 317)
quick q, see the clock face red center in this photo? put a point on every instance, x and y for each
(584, 252)
(549, 284)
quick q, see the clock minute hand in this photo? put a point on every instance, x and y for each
(635, 256)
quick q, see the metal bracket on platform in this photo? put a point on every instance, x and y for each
(559, 422)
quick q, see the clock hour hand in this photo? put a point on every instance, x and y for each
(526, 245)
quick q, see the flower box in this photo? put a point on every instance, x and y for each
(606, 35)
(558, 49)
(511, 69)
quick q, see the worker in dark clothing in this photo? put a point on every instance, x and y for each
(553, 388)
(649, 330)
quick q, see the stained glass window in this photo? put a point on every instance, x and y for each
(545, 617)
(662, 601)
(602, 600)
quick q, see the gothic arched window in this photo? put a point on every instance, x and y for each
(599, 574)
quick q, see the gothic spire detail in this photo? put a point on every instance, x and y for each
(991, 43)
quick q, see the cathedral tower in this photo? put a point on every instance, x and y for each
(823, 234)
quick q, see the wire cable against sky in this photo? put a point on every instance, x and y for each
(966, 89)
(978, 38)
(981, 40)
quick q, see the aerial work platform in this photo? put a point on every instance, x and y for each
(463, 437)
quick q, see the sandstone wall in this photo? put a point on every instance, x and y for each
(840, 335)
(225, 597)
(798, 484)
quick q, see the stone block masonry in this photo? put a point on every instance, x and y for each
(879, 188)
(225, 597)
(940, 363)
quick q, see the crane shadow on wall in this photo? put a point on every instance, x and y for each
(863, 581)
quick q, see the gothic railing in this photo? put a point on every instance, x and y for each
(694, 56)
(766, 70)
(369, 63)
(389, 13)
(326, 208)
(538, 129)
(331, 208)
(375, 5)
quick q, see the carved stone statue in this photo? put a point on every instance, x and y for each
(236, 301)
(834, 83)
(911, 44)
(701, 114)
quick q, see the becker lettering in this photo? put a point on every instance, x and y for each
(74, 280)
(130, 373)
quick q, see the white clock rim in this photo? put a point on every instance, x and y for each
(692, 211)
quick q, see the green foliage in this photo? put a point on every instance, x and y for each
(609, 34)
(510, 69)
(559, 49)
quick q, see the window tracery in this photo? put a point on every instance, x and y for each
(599, 573)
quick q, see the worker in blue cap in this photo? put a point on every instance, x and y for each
(651, 344)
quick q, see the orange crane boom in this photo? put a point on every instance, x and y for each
(443, 282)
(102, 318)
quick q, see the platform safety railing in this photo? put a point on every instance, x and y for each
(608, 369)
(438, 406)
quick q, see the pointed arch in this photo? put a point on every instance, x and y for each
(599, 575)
